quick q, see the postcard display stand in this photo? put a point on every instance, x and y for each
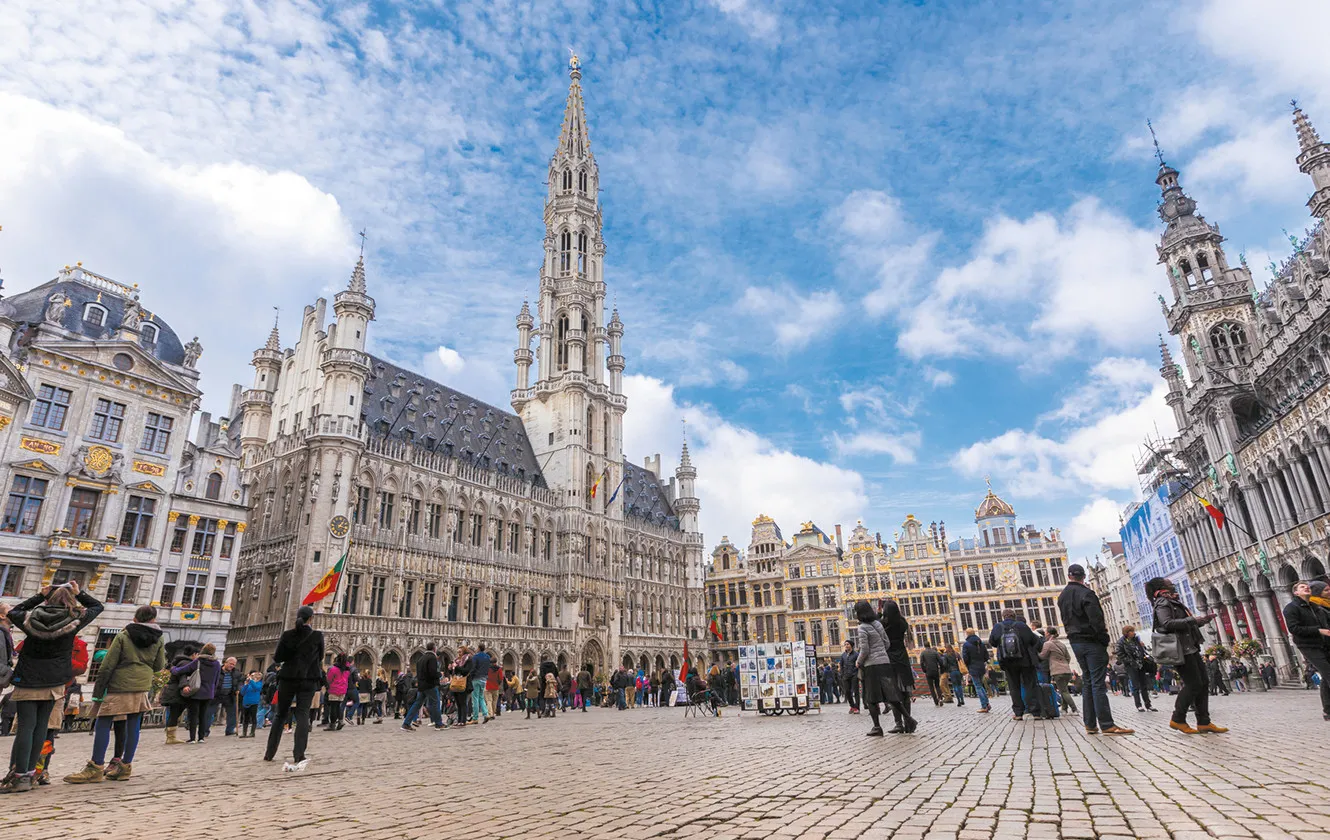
(778, 677)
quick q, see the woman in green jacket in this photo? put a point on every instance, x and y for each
(121, 697)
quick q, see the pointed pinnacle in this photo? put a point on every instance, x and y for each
(1308, 139)
(358, 277)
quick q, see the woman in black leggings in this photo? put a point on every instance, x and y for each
(300, 657)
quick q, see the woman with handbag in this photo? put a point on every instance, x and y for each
(897, 629)
(198, 686)
(1177, 641)
(881, 684)
(457, 684)
(120, 696)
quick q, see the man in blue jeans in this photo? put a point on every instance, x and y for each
(1083, 618)
(427, 690)
(974, 656)
(480, 669)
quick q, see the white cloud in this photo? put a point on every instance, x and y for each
(472, 375)
(796, 319)
(1280, 40)
(212, 247)
(752, 16)
(1097, 521)
(739, 473)
(939, 378)
(879, 245)
(900, 448)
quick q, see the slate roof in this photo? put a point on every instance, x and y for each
(446, 420)
(645, 499)
(30, 308)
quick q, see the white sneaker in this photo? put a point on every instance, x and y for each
(298, 767)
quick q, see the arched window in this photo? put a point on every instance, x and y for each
(590, 427)
(581, 181)
(1229, 341)
(1185, 268)
(148, 335)
(568, 179)
(581, 252)
(94, 314)
(585, 344)
(213, 489)
(1203, 264)
(563, 342)
(565, 251)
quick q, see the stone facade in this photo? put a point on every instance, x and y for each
(727, 600)
(463, 522)
(1252, 409)
(1108, 576)
(942, 587)
(97, 397)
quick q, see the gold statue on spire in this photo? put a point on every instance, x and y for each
(573, 62)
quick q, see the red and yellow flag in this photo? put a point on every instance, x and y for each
(714, 628)
(327, 584)
(1215, 513)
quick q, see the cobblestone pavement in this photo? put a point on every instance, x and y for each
(653, 773)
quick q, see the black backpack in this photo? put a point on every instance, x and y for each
(269, 689)
(1011, 647)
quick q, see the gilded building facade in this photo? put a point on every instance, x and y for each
(727, 600)
(1252, 407)
(463, 522)
(97, 397)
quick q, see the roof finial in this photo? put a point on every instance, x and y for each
(362, 242)
(1159, 155)
(989, 481)
(574, 64)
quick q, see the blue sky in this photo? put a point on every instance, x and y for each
(872, 252)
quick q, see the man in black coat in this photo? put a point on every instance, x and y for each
(930, 662)
(1309, 625)
(403, 693)
(1083, 618)
(849, 674)
(1018, 655)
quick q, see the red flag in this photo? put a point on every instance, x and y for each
(1215, 513)
(683, 672)
(714, 628)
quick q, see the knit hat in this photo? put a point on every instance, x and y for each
(1318, 588)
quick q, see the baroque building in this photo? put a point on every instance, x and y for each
(1252, 409)
(97, 396)
(463, 522)
(727, 600)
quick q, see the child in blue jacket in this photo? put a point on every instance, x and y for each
(250, 694)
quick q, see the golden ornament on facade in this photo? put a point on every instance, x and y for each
(98, 460)
(193, 519)
(173, 516)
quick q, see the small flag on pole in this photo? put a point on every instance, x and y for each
(327, 584)
(1215, 513)
(714, 628)
(683, 671)
(596, 485)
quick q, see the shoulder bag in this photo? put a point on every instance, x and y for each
(1166, 648)
(192, 683)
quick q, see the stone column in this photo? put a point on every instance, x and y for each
(1301, 498)
(1276, 640)
(1278, 504)
(1221, 623)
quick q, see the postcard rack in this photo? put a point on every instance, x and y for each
(777, 678)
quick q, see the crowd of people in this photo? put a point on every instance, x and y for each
(1033, 665)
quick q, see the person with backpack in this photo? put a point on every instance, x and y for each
(1058, 659)
(1018, 652)
(404, 691)
(1131, 656)
(1083, 619)
(300, 657)
(267, 695)
(931, 664)
(951, 667)
(974, 656)
(50, 621)
(120, 696)
(198, 686)
(1171, 617)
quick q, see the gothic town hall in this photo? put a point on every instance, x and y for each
(463, 522)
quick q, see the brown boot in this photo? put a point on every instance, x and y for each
(118, 771)
(1210, 727)
(171, 739)
(88, 775)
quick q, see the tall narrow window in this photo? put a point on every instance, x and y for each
(377, 590)
(581, 252)
(582, 181)
(218, 592)
(178, 535)
(386, 501)
(51, 407)
(213, 489)
(229, 542)
(82, 510)
(435, 522)
(137, 528)
(156, 433)
(24, 506)
(427, 594)
(107, 418)
(351, 595)
(205, 537)
(360, 513)
(167, 598)
(413, 516)
(562, 343)
(408, 598)
(565, 252)
(568, 179)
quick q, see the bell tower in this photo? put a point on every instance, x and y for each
(573, 411)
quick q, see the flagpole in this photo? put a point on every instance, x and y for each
(337, 588)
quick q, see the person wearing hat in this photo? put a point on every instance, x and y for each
(1172, 617)
(1320, 597)
(1309, 625)
(1083, 619)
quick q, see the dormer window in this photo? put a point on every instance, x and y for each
(94, 314)
(148, 335)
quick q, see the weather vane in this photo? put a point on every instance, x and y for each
(362, 235)
(1159, 155)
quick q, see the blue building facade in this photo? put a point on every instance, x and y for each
(1151, 547)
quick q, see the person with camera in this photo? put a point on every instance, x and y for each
(1132, 656)
(1172, 618)
(50, 622)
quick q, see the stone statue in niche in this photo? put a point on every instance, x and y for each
(314, 487)
(337, 485)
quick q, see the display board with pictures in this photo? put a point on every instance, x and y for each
(776, 677)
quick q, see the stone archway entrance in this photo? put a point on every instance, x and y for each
(628, 660)
(392, 664)
(593, 657)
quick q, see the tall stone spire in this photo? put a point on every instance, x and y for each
(574, 141)
(274, 340)
(1313, 160)
(358, 277)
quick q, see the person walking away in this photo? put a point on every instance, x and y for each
(251, 695)
(897, 629)
(50, 621)
(551, 696)
(428, 674)
(1309, 625)
(477, 679)
(931, 664)
(1058, 658)
(339, 679)
(197, 702)
(268, 696)
(404, 691)
(974, 656)
(493, 680)
(1083, 619)
(1017, 652)
(532, 692)
(133, 658)
(1214, 670)
(299, 658)
(880, 682)
(1131, 656)
(951, 666)
(668, 687)
(171, 698)
(849, 672)
(380, 695)
(228, 694)
(584, 686)
(1268, 675)
(1172, 616)
(1238, 673)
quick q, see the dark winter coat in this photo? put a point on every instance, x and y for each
(1131, 652)
(930, 662)
(1305, 622)
(406, 685)
(1171, 616)
(1030, 643)
(47, 658)
(210, 674)
(171, 691)
(1082, 615)
(300, 656)
(427, 671)
(974, 655)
